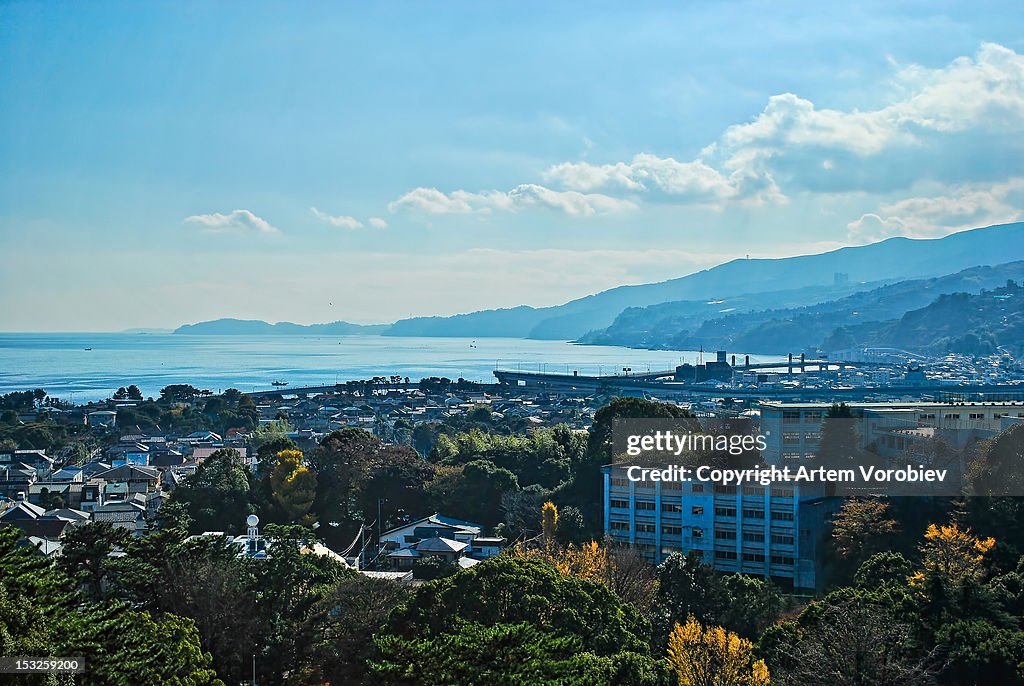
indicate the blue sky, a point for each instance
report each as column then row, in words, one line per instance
column 167, row 163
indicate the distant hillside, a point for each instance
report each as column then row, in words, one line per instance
column 255, row 327
column 688, row 325
column 889, row 260
column 967, row 323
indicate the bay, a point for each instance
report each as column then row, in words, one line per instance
column 90, row 366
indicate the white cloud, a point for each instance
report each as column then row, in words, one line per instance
column 377, row 223
column 433, row 201
column 985, row 92
column 936, row 125
column 341, row 221
column 961, row 207
column 234, row 221
column 794, row 143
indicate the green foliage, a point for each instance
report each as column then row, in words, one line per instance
column 217, row 495
column 42, row 614
column 542, row 456
column 181, row 393
column 739, row 603
column 433, row 567
column 515, row 589
column 883, row 569
column 508, row 655
column 348, row 615
column 85, row 554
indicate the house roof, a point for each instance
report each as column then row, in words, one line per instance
column 22, row 510
column 129, row 472
column 440, row 520
column 440, row 545
column 69, row 514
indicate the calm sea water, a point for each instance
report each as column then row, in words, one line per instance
column 82, row 367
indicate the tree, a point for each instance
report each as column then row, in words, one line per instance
column 713, row 656
column 849, row 638
column 883, row 569
column 180, row 393
column 507, row 655
column 515, row 589
column 342, row 643
column 687, row 588
column 293, row 485
column 85, row 555
column 134, row 393
column 954, row 553
column 839, row 447
column 217, row 495
column 549, row 523
column 861, row 528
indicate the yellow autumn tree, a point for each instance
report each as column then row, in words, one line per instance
column 549, row 523
column 712, row 656
column 954, row 552
column 293, row 485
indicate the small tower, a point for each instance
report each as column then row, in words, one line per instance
column 252, row 521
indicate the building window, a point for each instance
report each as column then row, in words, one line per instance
column 671, row 486
column 619, row 526
column 725, row 554
column 952, row 416
column 725, row 511
column 725, row 534
column 976, row 415
column 753, row 537
column 698, row 532
column 645, row 504
column 620, row 482
column 618, row 503
column 697, row 488
column 672, row 530
column 814, row 436
column 671, row 507
column 790, row 456
column 753, row 490
column 782, row 516
column 790, row 437
column 782, row 560
column 645, row 528
column 753, row 557
column 790, row 416
column 781, row 539
column 697, row 510
column 722, row 489
column 782, row 492
column 751, row 513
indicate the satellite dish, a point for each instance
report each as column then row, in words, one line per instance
column 252, row 520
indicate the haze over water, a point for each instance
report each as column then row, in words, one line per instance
column 61, row 364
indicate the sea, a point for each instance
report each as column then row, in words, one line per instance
column 81, row 367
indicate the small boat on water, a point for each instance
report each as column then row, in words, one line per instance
column 279, row 383
column 88, row 348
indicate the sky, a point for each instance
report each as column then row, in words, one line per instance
column 166, row 163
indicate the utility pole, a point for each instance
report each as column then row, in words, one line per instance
column 380, row 525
